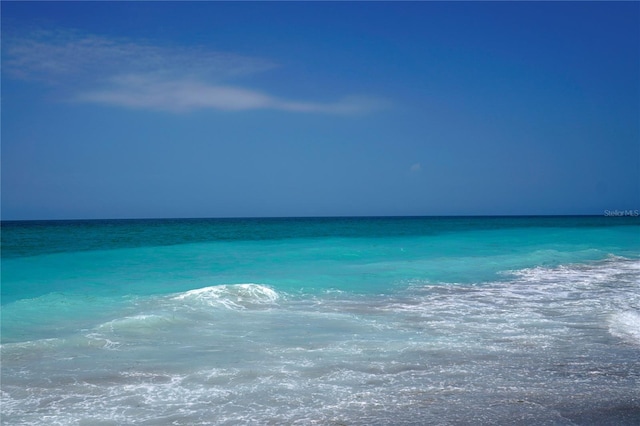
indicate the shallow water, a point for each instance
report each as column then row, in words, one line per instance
column 355, row 322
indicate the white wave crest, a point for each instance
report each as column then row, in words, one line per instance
column 610, row 269
column 137, row 323
column 231, row 296
column 626, row 325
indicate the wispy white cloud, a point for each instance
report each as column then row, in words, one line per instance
column 415, row 168
column 151, row 92
column 180, row 95
column 57, row 56
column 141, row 75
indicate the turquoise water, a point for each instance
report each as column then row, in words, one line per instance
column 528, row 320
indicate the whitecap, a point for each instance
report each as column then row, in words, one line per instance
column 231, row 296
column 135, row 323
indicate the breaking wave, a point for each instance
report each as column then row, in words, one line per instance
column 231, row 296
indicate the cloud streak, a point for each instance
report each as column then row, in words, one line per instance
column 57, row 56
column 175, row 95
column 140, row 75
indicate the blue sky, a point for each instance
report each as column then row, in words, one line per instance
column 214, row 109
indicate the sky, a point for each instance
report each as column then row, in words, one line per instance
column 220, row 109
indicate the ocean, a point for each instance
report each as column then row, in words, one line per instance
column 322, row 321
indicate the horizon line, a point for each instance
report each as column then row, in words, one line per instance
column 632, row 213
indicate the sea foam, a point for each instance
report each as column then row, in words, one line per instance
column 626, row 325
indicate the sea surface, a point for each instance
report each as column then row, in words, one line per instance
column 328, row 321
